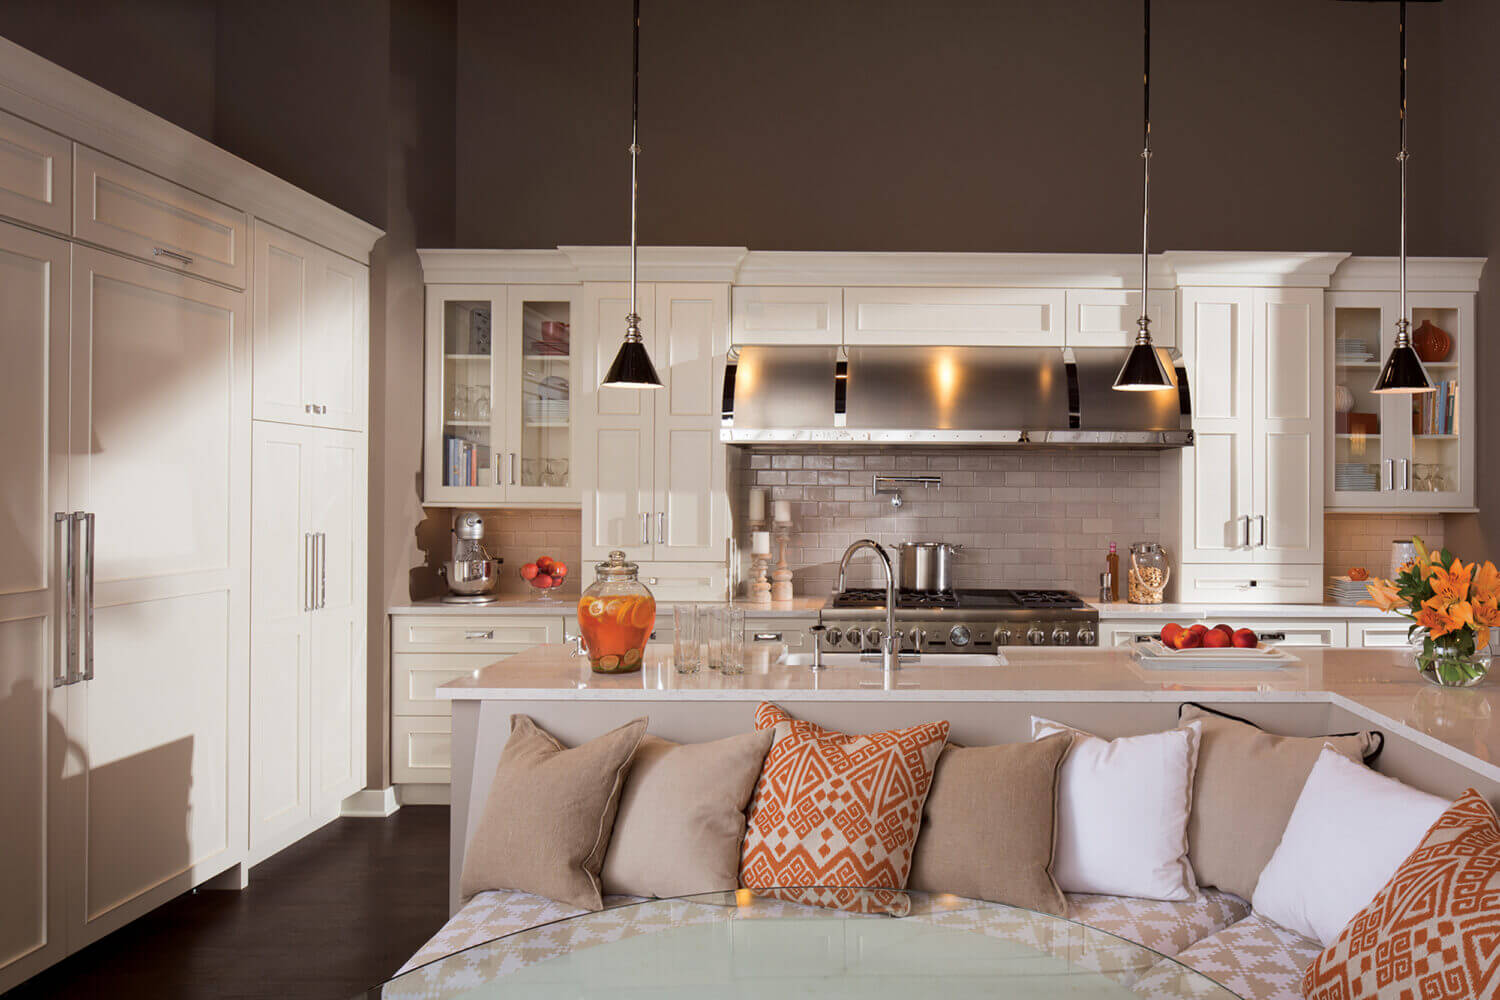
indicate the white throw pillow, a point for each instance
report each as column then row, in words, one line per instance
column 1122, row 812
column 1349, row 832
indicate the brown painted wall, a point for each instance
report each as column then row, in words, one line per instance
column 945, row 125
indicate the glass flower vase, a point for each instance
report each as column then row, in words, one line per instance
column 1451, row 660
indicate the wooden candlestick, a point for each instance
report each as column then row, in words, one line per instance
column 781, row 586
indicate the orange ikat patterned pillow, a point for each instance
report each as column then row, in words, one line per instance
column 1433, row 932
column 838, row 810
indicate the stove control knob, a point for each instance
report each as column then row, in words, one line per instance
column 959, row 635
column 1035, row 635
column 1087, row 637
column 918, row 638
column 873, row 637
column 1002, row 637
column 1061, row 636
column 834, row 636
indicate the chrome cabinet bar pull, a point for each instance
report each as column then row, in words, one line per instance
column 322, row 540
column 661, row 527
column 173, row 254
column 512, row 457
column 1271, row 636
column 768, row 637
column 1260, row 538
column 307, row 571
column 88, row 599
column 1243, row 521
column 486, row 634
column 1387, row 475
column 645, row 527
column 66, row 671
column 1405, row 474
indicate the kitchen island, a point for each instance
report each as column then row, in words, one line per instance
column 1436, row 739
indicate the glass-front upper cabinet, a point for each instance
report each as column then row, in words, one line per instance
column 499, row 425
column 1401, row 452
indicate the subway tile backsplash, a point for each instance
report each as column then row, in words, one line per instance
column 1025, row 518
column 1364, row 540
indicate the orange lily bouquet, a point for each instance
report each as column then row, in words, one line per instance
column 1453, row 602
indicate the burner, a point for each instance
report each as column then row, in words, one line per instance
column 1047, row 599
column 871, row 597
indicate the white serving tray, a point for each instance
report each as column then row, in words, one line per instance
column 1156, row 655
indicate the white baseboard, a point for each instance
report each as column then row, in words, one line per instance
column 371, row 803
column 425, row 795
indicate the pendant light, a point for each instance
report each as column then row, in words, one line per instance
column 632, row 368
column 1403, row 372
column 1143, row 370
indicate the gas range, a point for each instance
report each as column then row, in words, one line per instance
column 959, row 621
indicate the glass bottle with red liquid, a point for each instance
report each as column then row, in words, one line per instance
column 616, row 615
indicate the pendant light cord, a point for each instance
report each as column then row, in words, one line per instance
column 1403, row 325
column 1144, row 323
column 633, row 321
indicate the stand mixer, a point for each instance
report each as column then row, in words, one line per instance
column 472, row 573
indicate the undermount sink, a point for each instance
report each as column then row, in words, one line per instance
column 907, row 660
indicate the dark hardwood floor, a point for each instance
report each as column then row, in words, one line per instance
column 327, row 918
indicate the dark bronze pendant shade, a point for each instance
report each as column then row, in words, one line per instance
column 632, row 368
column 1143, row 370
column 1403, row 372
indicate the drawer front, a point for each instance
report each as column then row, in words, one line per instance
column 499, row 634
column 1299, row 632
column 1249, row 584
column 687, row 581
column 421, row 749
column 415, row 678
column 127, row 209
column 790, row 633
column 1382, row 635
column 36, row 175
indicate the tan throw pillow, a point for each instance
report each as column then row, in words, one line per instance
column 1247, row 784
column 547, row 822
column 682, row 816
column 989, row 825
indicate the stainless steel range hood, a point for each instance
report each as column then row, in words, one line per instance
column 946, row 395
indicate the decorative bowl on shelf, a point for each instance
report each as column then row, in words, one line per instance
column 1432, row 342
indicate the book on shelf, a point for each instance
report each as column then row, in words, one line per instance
column 1437, row 411
column 463, row 460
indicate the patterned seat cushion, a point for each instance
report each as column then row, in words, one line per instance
column 1254, row 958
column 1164, row 926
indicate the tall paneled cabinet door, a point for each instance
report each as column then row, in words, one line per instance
column 311, row 322
column 500, row 416
column 36, row 168
column 159, row 467
column 1400, row 452
column 1287, row 522
column 307, row 633
column 39, row 778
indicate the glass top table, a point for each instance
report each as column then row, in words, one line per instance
column 762, row 944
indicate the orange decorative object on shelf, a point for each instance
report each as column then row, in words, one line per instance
column 616, row 615
column 1432, row 342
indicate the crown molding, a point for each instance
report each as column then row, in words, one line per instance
column 54, row 98
column 1254, row 268
column 1423, row 274
column 657, row 263
column 990, row 270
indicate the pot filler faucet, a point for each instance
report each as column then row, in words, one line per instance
column 890, row 641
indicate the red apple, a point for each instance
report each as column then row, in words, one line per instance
column 544, row 564
column 1169, row 632
column 1228, row 630
column 1198, row 629
column 1246, row 639
column 529, row 571
column 543, row 581
column 1187, row 639
column 1216, row 639
column 559, row 570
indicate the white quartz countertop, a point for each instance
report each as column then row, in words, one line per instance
column 567, row 604
column 1380, row 685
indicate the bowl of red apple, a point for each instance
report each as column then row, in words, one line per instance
column 544, row 576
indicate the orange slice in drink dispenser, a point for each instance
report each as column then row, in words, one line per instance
column 645, row 613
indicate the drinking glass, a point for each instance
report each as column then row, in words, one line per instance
column 686, row 655
column 733, row 640
column 711, row 634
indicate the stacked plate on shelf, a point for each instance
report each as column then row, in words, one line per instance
column 1342, row 590
column 1351, row 350
column 1354, row 476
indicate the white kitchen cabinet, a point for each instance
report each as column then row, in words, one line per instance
column 979, row 317
column 311, row 350
column 797, row 315
column 653, row 466
column 1393, row 452
column 159, row 458
column 1108, row 317
column 34, row 722
column 1380, row 635
column 1251, row 486
column 501, row 416
column 124, row 208
column 36, row 175
column 307, row 660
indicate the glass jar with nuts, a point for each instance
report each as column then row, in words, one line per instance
column 1148, row 573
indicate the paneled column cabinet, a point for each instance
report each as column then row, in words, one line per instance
column 140, row 683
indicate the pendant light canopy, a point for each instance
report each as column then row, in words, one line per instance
column 1143, row 370
column 1403, row 371
column 632, row 367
